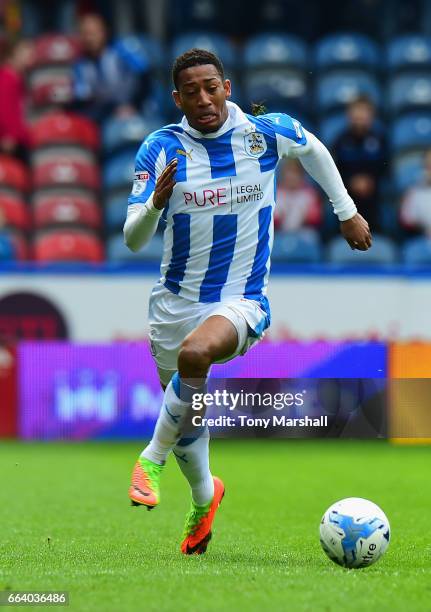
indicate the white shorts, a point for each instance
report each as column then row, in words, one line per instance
column 172, row 318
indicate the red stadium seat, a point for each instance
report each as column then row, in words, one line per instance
column 68, row 245
column 66, row 171
column 14, row 212
column 61, row 128
column 55, row 49
column 66, row 209
column 51, row 86
column 14, row 175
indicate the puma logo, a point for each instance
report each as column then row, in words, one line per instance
column 185, row 153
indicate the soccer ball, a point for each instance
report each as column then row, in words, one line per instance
column 354, row 532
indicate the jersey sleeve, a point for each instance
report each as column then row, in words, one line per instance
column 149, row 164
column 290, row 135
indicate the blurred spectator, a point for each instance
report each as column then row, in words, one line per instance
column 360, row 154
column 10, row 17
column 103, row 82
column 14, row 134
column 298, row 202
column 416, row 205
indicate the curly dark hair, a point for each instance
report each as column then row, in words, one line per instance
column 195, row 57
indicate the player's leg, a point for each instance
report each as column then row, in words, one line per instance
column 172, row 321
column 213, row 340
column 169, row 428
column 166, row 334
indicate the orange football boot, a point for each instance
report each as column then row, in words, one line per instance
column 145, row 489
column 197, row 530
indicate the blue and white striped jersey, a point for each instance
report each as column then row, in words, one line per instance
column 219, row 219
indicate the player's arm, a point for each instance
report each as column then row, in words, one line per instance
column 295, row 141
column 151, row 191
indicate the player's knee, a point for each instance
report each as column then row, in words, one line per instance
column 194, row 356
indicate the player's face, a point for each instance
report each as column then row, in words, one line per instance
column 202, row 97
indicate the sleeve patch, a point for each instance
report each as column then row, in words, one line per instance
column 140, row 182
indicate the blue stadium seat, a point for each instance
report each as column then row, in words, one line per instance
column 7, row 250
column 141, row 52
column 411, row 51
column 196, row 15
column 117, row 251
column 119, row 133
column 116, row 209
column 335, row 90
column 216, row 43
column 407, row 170
column 346, row 50
column 331, row 127
column 383, row 251
column 409, row 92
column 417, row 251
column 302, row 246
column 274, row 50
column 412, row 131
column 280, row 89
column 389, row 219
column 119, row 170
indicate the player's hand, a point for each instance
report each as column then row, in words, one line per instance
column 356, row 232
column 165, row 184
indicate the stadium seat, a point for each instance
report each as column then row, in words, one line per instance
column 383, row 251
column 7, row 249
column 68, row 245
column 216, row 43
column 407, row 170
column 408, row 52
column 51, row 86
column 151, row 252
column 337, row 89
column 140, row 52
column 61, row 128
column 302, row 246
column 14, row 175
column 20, row 245
column 273, row 49
column 55, row 49
column 118, row 171
column 66, row 209
column 14, row 212
column 331, row 127
column 389, row 219
column 417, row 251
column 280, row 89
column 413, row 131
column 125, row 132
column 116, row 209
column 346, row 50
column 408, row 92
column 65, row 171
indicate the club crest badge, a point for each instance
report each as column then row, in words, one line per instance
column 255, row 144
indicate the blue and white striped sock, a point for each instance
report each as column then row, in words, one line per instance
column 176, row 405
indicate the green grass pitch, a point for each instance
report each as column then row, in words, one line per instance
column 66, row 524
